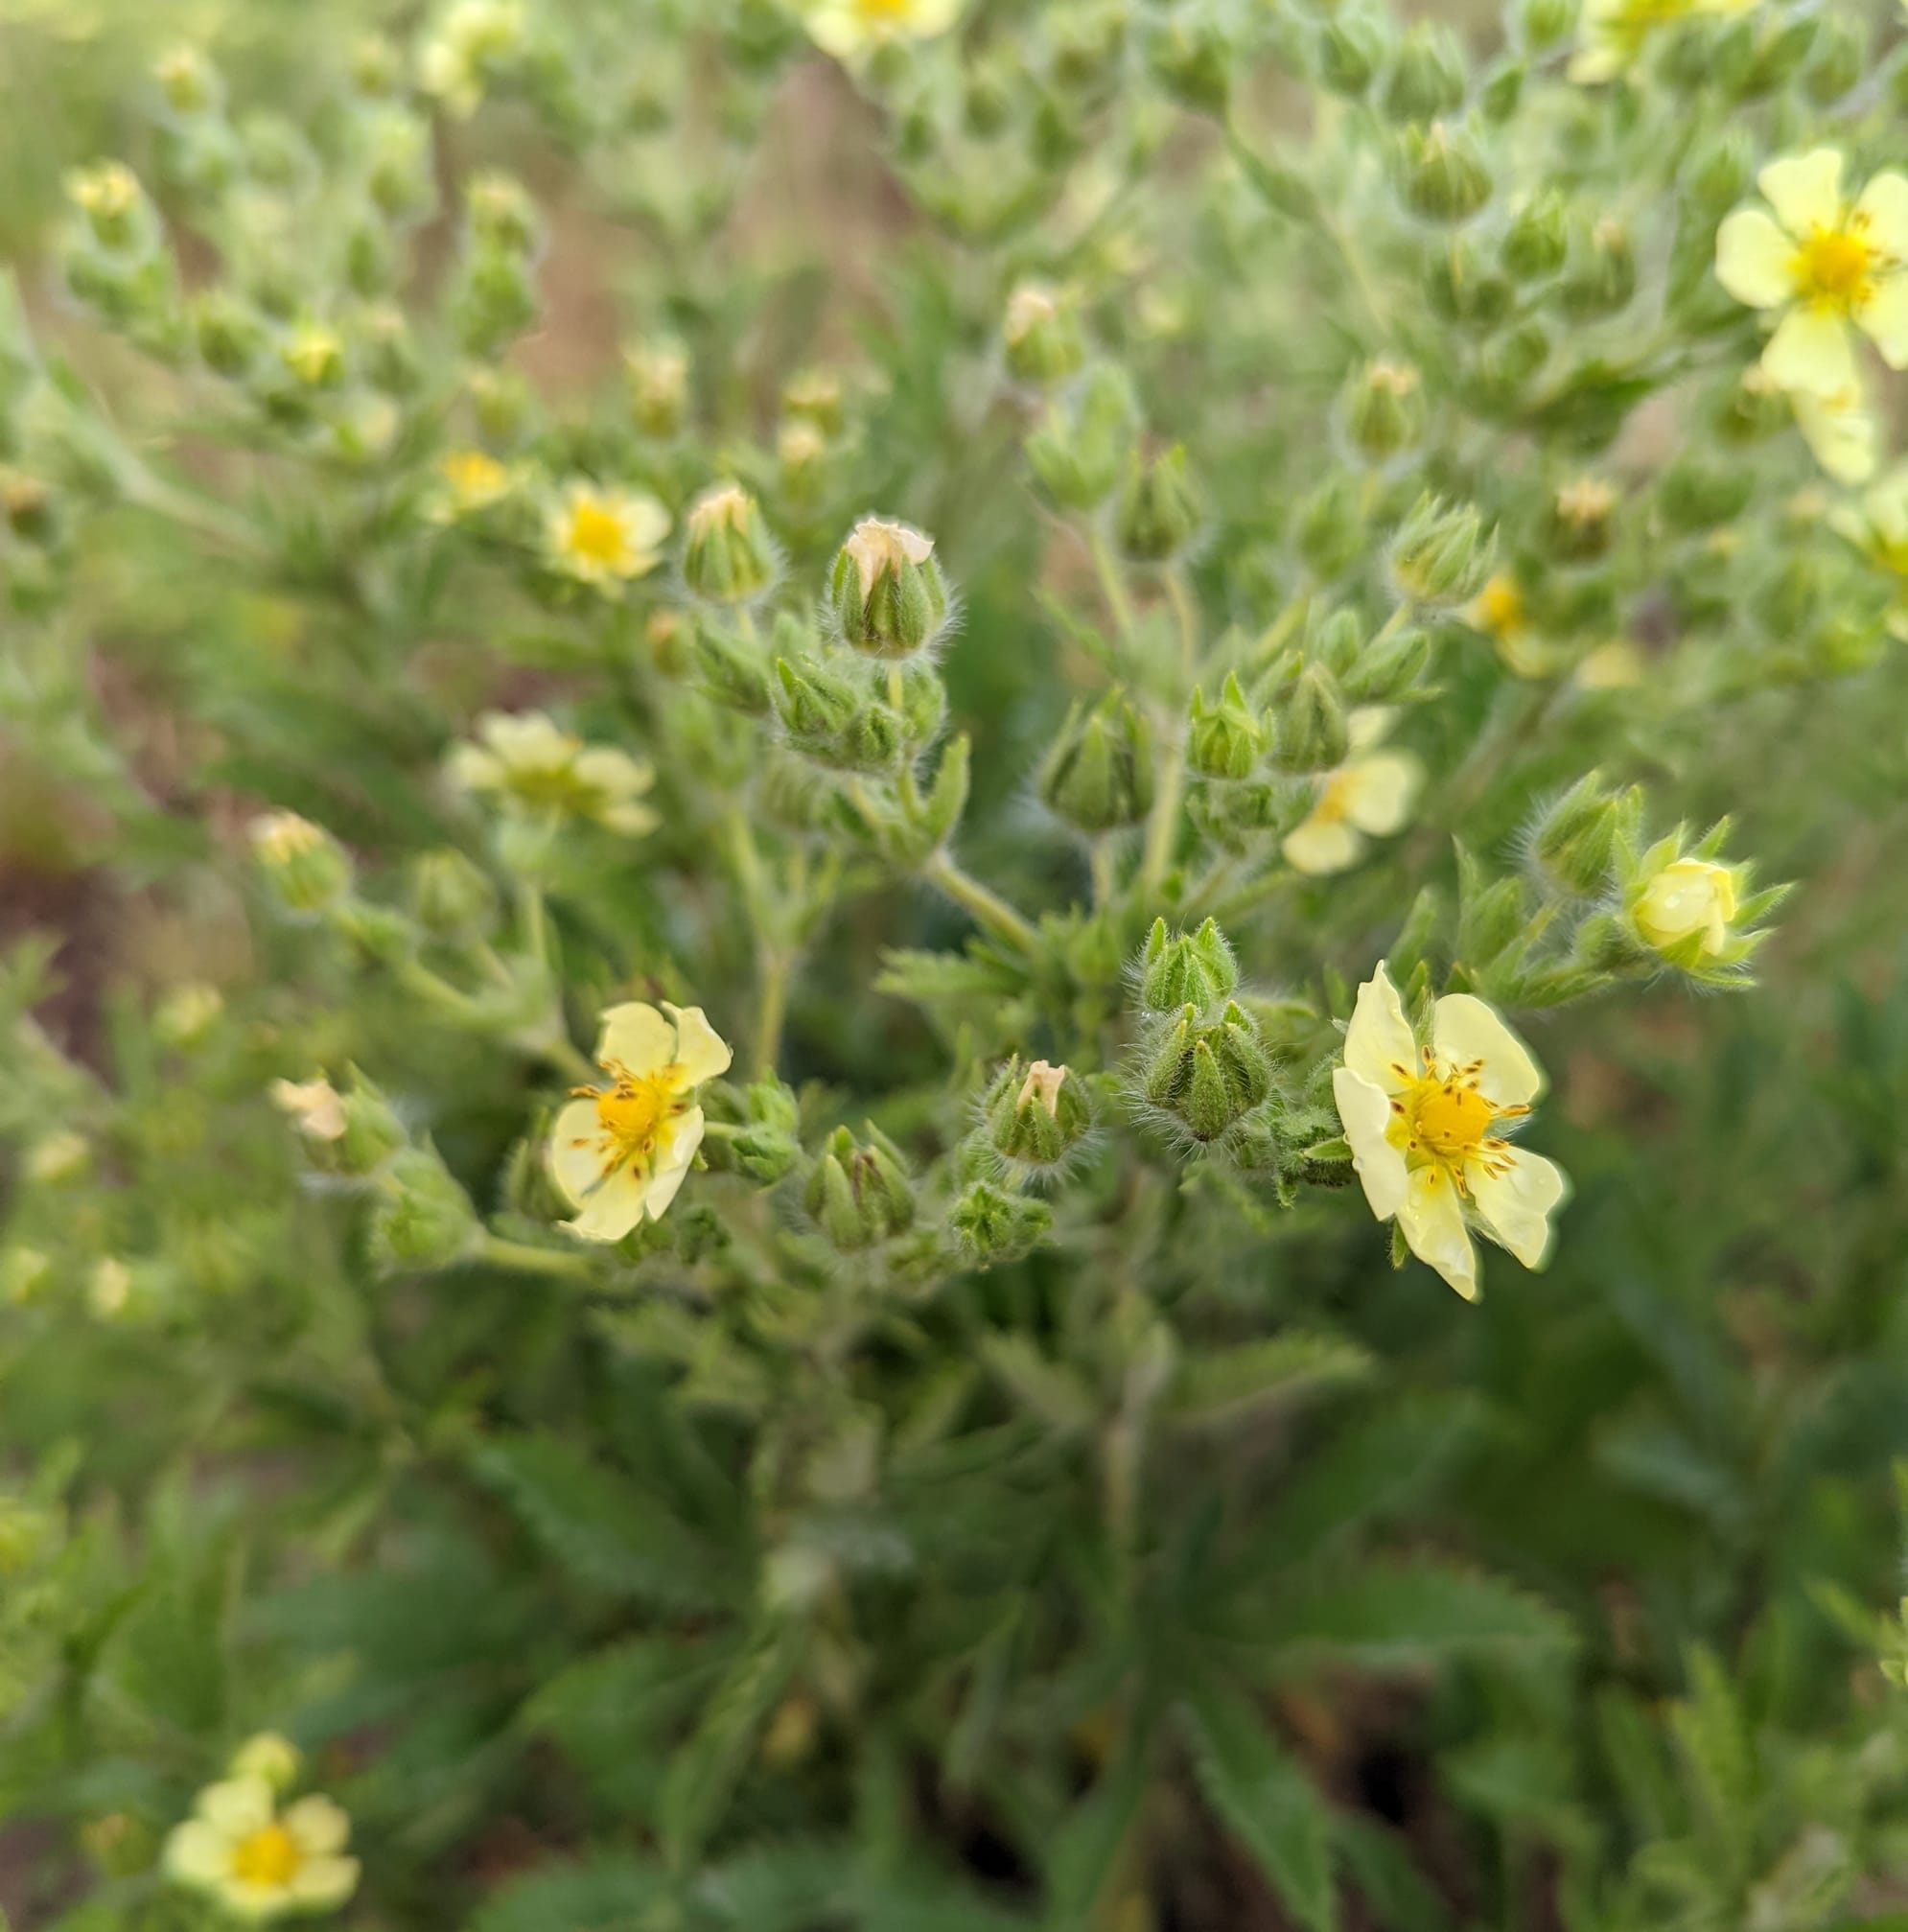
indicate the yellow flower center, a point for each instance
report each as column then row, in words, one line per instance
column 473, row 474
column 1834, row 264
column 885, row 9
column 269, row 1856
column 1442, row 1120
column 1450, row 1120
column 596, row 536
column 633, row 1110
column 1335, row 798
column 1501, row 606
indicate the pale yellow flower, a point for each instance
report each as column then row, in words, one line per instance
column 528, row 761
column 605, row 537
column 1609, row 667
column 1691, row 901
column 1841, row 430
column 878, row 546
column 1827, row 262
column 1369, row 796
column 1877, row 522
column 851, row 29
column 470, row 481
column 1044, row 1083
column 1611, row 34
column 312, row 1106
column 257, row 1861
column 1502, row 612
column 620, row 1151
column 109, row 190
column 1427, row 1124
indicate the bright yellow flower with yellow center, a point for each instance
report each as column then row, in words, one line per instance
column 1369, row 796
column 1428, row 1122
column 259, row 1862
column 851, row 29
column 1828, row 263
column 620, row 1152
column 605, row 537
column 1614, row 32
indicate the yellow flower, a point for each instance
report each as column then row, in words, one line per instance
column 314, row 354
column 1426, row 1122
column 109, row 191
column 1502, row 612
column 1826, row 262
column 1878, row 525
column 1612, row 32
column 312, row 1106
column 257, row 1861
column 1841, row 431
column 1611, row 667
column 474, row 38
column 470, row 482
column 1690, row 903
column 605, row 537
column 531, row 762
column 620, row 1151
column 1369, row 796
column 850, row 29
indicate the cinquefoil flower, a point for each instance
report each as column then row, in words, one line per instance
column 1614, row 32
column 604, row 537
column 1841, row 431
column 531, row 762
column 259, row 1862
column 1502, row 611
column 469, row 482
column 620, row 1151
column 851, row 29
column 1426, row 1122
column 1369, row 796
column 1827, row 262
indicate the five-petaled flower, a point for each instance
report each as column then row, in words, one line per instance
column 605, row 537
column 620, row 1151
column 259, row 1862
column 1826, row 262
column 1428, row 1121
column 538, row 768
column 1369, row 796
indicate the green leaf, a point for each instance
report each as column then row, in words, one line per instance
column 601, row 1894
column 1245, row 1383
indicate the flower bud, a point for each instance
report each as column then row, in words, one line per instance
column 1602, row 276
column 108, row 195
column 188, row 81
column 377, row 67
column 1098, row 775
column 496, row 298
column 657, row 375
column 1544, row 24
column 1575, row 840
column 1078, row 451
column 815, row 703
column 1578, row 524
column 1427, row 77
column 271, row 1757
column 187, row 1013
column 1038, row 1114
column 1193, row 971
column 1460, row 287
column 1697, row 493
column 1841, row 59
column 352, row 1133
column 450, row 897
column 423, row 1219
column 1193, row 62
column 1443, row 177
column 1385, row 409
column 313, row 356
column 303, row 865
column 1719, row 168
column 1159, row 512
column 502, row 213
column 1312, row 731
column 858, row 1194
column 1207, row 1077
column 886, row 590
column 991, row 1225
column 815, row 395
column 1224, row 740
column 1041, row 334
column 1351, row 47
column 1685, row 910
column 1536, row 240
column 729, row 557
column 732, row 664
column 1442, row 554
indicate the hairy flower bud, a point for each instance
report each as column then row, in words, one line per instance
column 1574, row 841
column 1536, row 240
column 1035, row 1115
column 423, row 1219
column 305, row 866
column 989, row 1225
column 1208, row 1077
column 1226, row 740
column 1602, row 275
column 109, row 197
column 1041, row 335
column 1194, row 61
column 728, row 556
column 657, row 377
column 858, row 1192
column 1186, row 971
column 450, row 896
column 1351, row 48
column 886, row 590
column 188, row 81
column 1442, row 174
column 1078, row 451
column 1098, row 775
column 1578, row 524
column 1312, row 731
column 1442, row 554
column 1385, row 409
column 1159, row 511
column 1426, row 80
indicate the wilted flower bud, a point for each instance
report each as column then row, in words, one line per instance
column 1578, row 527
column 989, row 1225
column 423, row 1219
column 1041, row 335
column 353, row 1133
column 1536, row 240
column 658, row 379
column 1208, row 1077
column 1575, row 840
column 305, row 866
column 730, row 557
column 1159, row 512
column 1351, row 46
column 1192, row 971
column 1427, row 77
column 858, row 1192
column 450, row 896
column 1312, row 731
column 1035, row 1115
column 1443, row 175
column 1078, row 451
column 1602, row 276
column 1442, row 554
column 886, row 590
column 1098, row 775
column 1226, row 740
column 1385, row 409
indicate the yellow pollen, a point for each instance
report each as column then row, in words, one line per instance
column 885, row 9
column 269, row 1856
column 1833, row 264
column 1335, row 798
column 633, row 1109
column 596, row 535
column 1449, row 1119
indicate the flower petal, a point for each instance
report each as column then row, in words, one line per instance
column 1379, row 791
column 197, row 1853
column 1804, row 190
column 1319, row 845
column 1369, row 724
column 674, row 1163
column 1841, row 433
column 1465, row 1030
column 1883, row 318
column 1810, row 353
column 1755, row 260
column 1379, row 1046
column 576, row 1151
column 1365, row 1111
column 636, row 1038
column 1516, row 1193
column 321, row 1883
column 1432, row 1218
column 1883, row 206
column 237, row 1805
column 317, row 1825
column 700, row 1052
column 614, row 1207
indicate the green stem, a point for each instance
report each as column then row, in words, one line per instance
column 1162, row 826
column 1099, row 857
column 987, row 908
column 1113, row 581
column 521, row 1258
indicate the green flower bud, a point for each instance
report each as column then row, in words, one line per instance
column 188, row 81
column 188, row 1013
column 422, row 1220
column 1575, row 840
column 1312, row 732
column 1385, row 409
column 1505, row 365
column 1193, row 62
column 502, row 213
column 1038, row 1114
column 27, row 508
column 450, row 896
column 1159, row 512
column 1697, row 493
column 1841, row 59
column 1351, row 47
column 1536, row 240
column 1719, row 168
column 1387, row 667
column 1545, row 24
column 886, row 590
column 1459, row 287
column 377, row 67
column 496, row 298
column 1186, row 971
column 1579, row 522
column 1602, row 275
column 858, row 1192
column 818, row 706
column 1427, row 78
column 1207, row 1077
column 1443, row 177
column 656, row 377
column 302, row 863
column 1078, row 451
column 1224, row 740
column 732, row 664
column 1042, row 336
column 728, row 556
column 990, row 1225
column 1098, row 775
column 114, row 204
column 1332, row 535
column 1443, row 553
